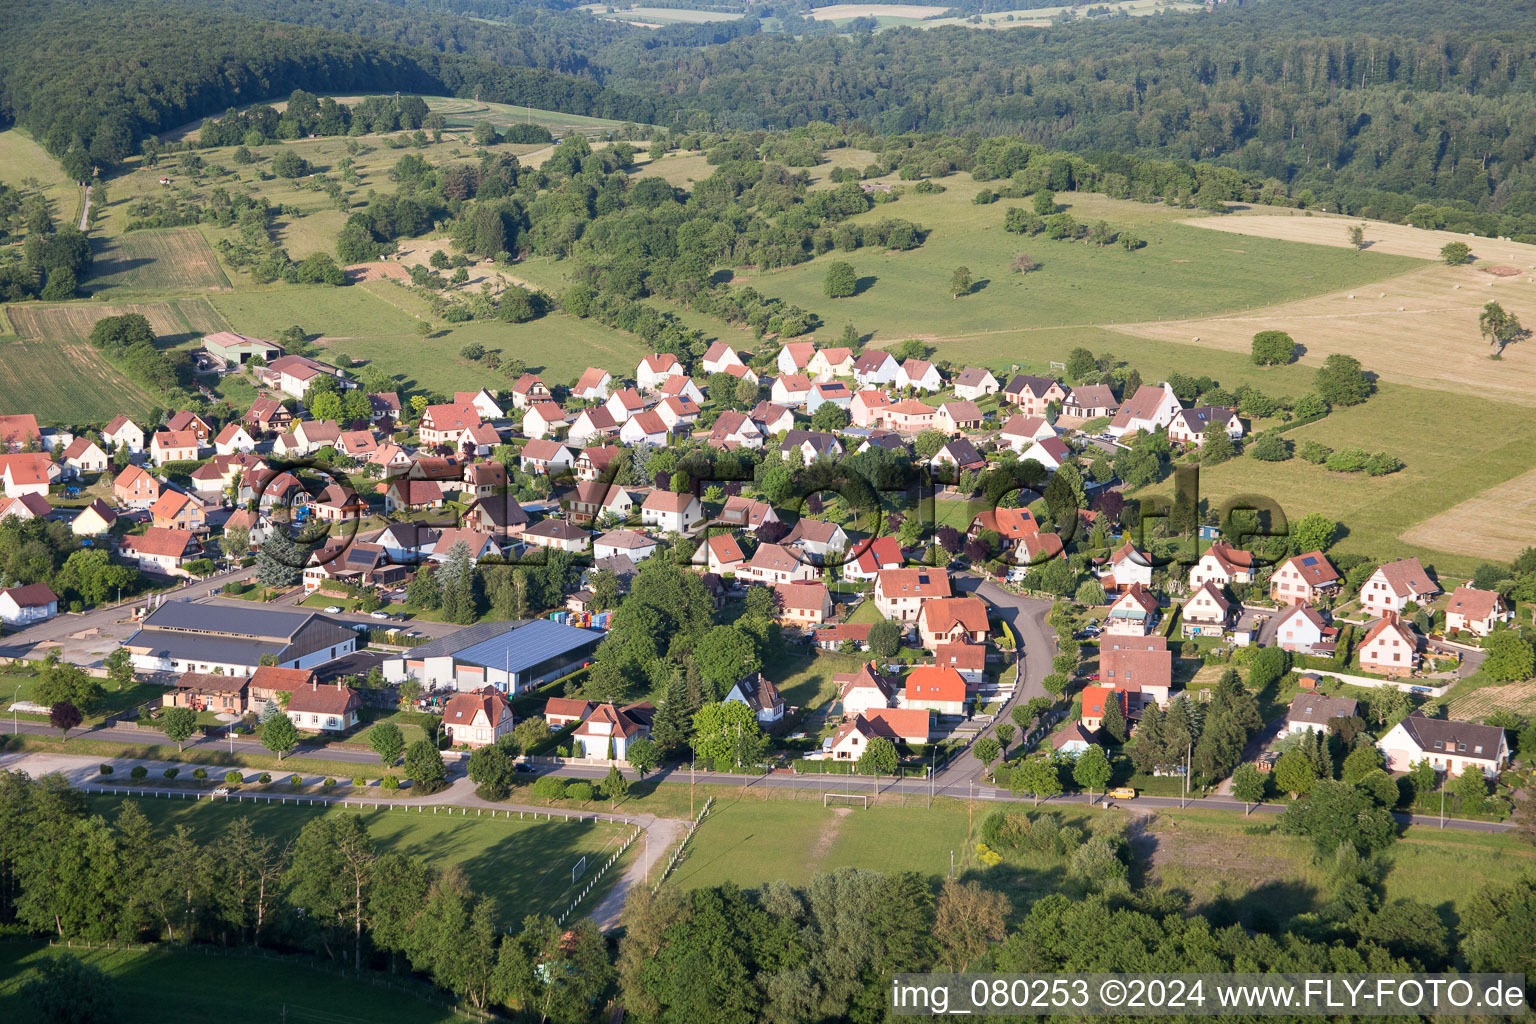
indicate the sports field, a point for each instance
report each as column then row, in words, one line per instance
column 165, row 985
column 175, row 259
column 524, row 865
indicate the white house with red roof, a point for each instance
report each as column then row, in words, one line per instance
column 678, row 412
column 860, row 691
column 875, row 368
column 173, row 446
column 733, row 429
column 920, row 375
column 529, row 390
column 1302, row 629
column 935, row 688
column 594, row 385
column 445, row 424
column 94, row 520
column 233, row 438
column 123, row 431
column 868, row 408
column 17, row 430
column 159, row 550
column 901, row 593
column 747, row 513
column 899, row 725
column 679, row 386
column 656, row 368
column 1208, row 612
column 1021, row 432
column 1050, row 452
column 609, row 730
column 772, row 419
column 1390, row 647
column 22, row 606
column 1127, row 567
column 1151, row 408
column 293, row 375
column 482, row 401
column 624, row 403
column 831, row 362
column 477, row 718
column 1395, row 584
column 644, row 428
column 974, row 383
column 791, row 390
column 720, row 357
column 671, row 512
column 28, row 473
column 545, row 419
column 773, row 564
column 1223, row 565
column 869, row 557
column 970, row 660
column 721, row 554
column 85, row 456
column 795, row 356
column 1141, row 666
column 546, row 458
column 1133, row 613
column 1469, row 610
column 1307, row 577
column 324, row 708
column 949, row 620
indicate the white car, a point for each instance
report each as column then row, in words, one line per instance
column 221, row 791
column 378, row 615
column 332, row 609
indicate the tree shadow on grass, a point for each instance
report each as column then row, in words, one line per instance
column 863, row 285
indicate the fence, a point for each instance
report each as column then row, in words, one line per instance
column 610, row 862
column 360, row 804
column 677, row 854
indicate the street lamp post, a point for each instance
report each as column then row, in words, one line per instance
column 15, row 727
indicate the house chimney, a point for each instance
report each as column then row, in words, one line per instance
column 338, row 684
column 314, row 684
column 1391, row 616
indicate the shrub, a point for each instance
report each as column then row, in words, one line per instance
column 139, row 772
column 359, row 781
column 390, row 783
column 295, row 780
column 581, row 792
column 264, row 778
column 199, row 774
column 328, row 783
column 233, row 778
column 171, row 773
column 105, row 769
column 549, row 787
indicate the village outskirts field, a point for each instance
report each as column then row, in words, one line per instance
column 1188, row 301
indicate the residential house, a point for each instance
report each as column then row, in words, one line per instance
column 935, row 688
column 175, row 510
column 866, row 689
column 351, row 565
column 445, row 424
column 310, row 436
column 383, row 405
column 543, row 457
column 1390, row 647
column 560, row 712
column 954, row 417
column 22, row 606
column 721, row 554
column 678, row 412
column 747, row 513
column 28, row 473
column 644, row 428
column 1033, row 395
column 594, row 499
column 1012, row 524
column 970, row 660
column 85, row 456
column 257, row 526
column 1090, row 402
column 1308, row 577
column 593, row 386
column 25, row 507
column 1142, row 666
column 134, row 487
column 544, row 420
column 974, row 383
column 593, row 462
column 809, row 445
column 1311, row 712
column 1037, row 548
column 293, row 375
column 1223, row 565
column 1128, row 567
column 167, row 446
column 828, row 363
column 791, row 390
column 608, row 730
column 17, row 430
column 1021, row 432
column 324, row 708
column 795, row 356
column 1395, row 584
column 1073, row 739
column 820, row 540
column 901, row 593
column 759, row 694
column 773, row 564
column 1469, row 610
column 1189, row 425
column 632, row 544
column 1050, row 452
column 744, row 373
column 184, row 420
column 357, row 444
column 899, row 725
column 94, row 520
column 1302, row 629
column 477, row 719
column 871, row 556
column 123, row 431
column 868, row 408
column 1208, row 612
column 482, row 402
column 654, row 369
column 406, row 495
column 594, row 424
column 679, row 386
column 829, row 393
column 803, row 603
column 720, row 357
column 268, row 416
column 1134, row 612
column 529, row 390
column 920, row 375
column 339, row 504
column 1151, row 408
column 949, row 620
column 407, row 543
column 160, row 550
column 909, row 415
column 1449, row 746
column 960, row 454
column 271, row 489
column 498, row 514
column 557, row 534
column 875, row 368
column 218, row 475
column 734, row 430
column 229, row 350
column 479, row 440
column 623, row 404
column 234, row 438
column 1096, row 698
column 772, row 419
column 205, row 691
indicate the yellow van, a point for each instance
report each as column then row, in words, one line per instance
column 1122, row 793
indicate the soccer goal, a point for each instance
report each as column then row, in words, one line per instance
column 577, row 868
column 862, row 798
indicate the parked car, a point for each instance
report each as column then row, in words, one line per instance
column 1122, row 793
column 524, row 768
column 378, row 615
column 332, row 609
column 221, row 791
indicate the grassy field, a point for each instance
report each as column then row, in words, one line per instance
column 805, row 681
column 659, row 16
column 524, row 865
column 1181, row 273
column 177, row 259
column 156, row 986
column 1273, row 876
column 22, row 159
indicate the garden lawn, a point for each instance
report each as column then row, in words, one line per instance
column 805, row 680
column 525, row 865
column 164, row 985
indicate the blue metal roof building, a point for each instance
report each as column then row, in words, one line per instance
column 511, row 656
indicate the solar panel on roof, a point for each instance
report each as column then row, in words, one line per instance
column 1309, row 560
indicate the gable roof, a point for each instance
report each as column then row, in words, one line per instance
column 1143, row 405
column 157, row 540
column 31, row 595
column 930, row 583
column 800, row 352
column 1314, row 567
column 942, row 614
column 1037, row 386
column 962, row 451
column 872, row 361
column 315, row 699
column 973, row 376
column 1407, row 578
column 774, row 558
column 961, row 412
column 1304, row 610
column 1481, row 742
column 758, row 692
column 725, row 548
column 1317, row 708
column 18, row 428
column 462, row 708
column 1093, row 396
column 935, row 682
column 1472, row 603
column 542, row 449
